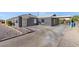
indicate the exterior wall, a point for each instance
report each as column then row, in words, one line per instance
column 14, row 20
column 28, row 21
column 61, row 20
column 47, row 21
column 54, row 21
column 24, row 21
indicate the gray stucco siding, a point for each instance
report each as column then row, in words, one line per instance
column 54, row 21
column 24, row 22
column 47, row 20
column 30, row 22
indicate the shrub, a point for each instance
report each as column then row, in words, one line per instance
column 9, row 23
column 75, row 18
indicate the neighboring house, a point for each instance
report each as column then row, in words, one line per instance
column 2, row 21
column 31, row 20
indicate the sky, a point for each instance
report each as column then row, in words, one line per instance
column 7, row 15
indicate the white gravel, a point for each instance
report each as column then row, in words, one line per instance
column 6, row 32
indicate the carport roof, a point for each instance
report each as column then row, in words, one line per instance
column 62, row 16
column 54, row 16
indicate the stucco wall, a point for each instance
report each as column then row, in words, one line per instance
column 15, row 21
column 54, row 21
column 47, row 21
column 24, row 22
column 30, row 22
column 27, row 21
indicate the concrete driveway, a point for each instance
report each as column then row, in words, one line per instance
column 44, row 36
column 70, row 38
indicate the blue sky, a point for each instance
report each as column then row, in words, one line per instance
column 6, row 15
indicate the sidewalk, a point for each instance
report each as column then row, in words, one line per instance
column 70, row 38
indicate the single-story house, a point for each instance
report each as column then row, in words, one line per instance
column 52, row 20
column 48, row 21
column 24, row 20
column 31, row 20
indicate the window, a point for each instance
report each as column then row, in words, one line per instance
column 42, row 20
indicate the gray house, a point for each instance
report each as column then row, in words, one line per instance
column 24, row 20
column 31, row 20
column 52, row 20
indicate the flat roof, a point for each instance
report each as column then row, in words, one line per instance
column 62, row 16
column 54, row 16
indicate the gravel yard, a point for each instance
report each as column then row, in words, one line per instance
column 8, row 32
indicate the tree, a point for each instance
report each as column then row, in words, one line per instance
column 75, row 18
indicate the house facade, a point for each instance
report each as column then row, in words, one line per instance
column 53, row 20
column 24, row 20
column 31, row 20
column 50, row 21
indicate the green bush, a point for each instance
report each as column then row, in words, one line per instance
column 9, row 23
column 75, row 18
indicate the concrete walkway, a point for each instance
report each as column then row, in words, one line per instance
column 70, row 38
